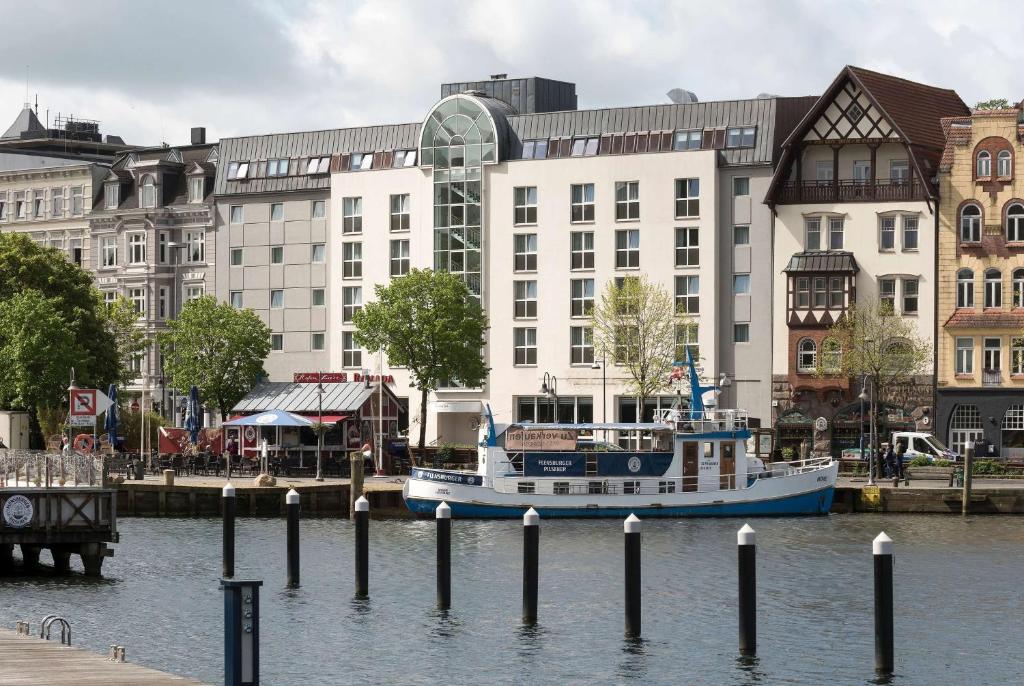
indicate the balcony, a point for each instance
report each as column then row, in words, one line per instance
column 848, row 190
column 991, row 377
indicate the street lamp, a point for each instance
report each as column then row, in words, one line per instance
column 549, row 387
column 863, row 396
column 604, row 386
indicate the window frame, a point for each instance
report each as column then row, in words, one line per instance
column 524, row 256
column 627, row 201
column 687, row 206
column 581, row 345
column 582, row 297
column 687, row 294
column 812, row 225
column 806, row 356
column 1014, row 222
column 352, row 215
column 524, row 346
column 524, row 206
column 352, row 259
column 983, row 164
column 584, row 254
column 906, row 293
column 398, row 265
column 627, row 250
column 399, row 212
column 524, row 299
column 963, row 360
column 972, row 222
column 582, row 210
column 1004, row 156
column 687, row 247
column 965, row 288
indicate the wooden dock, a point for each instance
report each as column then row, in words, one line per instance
column 31, row 660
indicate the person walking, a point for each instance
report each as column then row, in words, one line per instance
column 901, row 454
column 890, row 461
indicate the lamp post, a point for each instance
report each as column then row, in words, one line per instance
column 549, row 387
column 320, row 423
column 871, row 450
column 604, row 386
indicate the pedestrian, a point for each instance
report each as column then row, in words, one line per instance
column 890, row 461
column 901, row 455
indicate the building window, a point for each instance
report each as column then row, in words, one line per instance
column 687, row 198
column 400, row 210
column 803, row 292
column 581, row 345
column 236, row 214
column 965, row 288
column 687, row 294
column 742, row 137
column 195, row 246
column 1018, row 287
column 836, row 297
column 581, row 250
column 807, row 356
column 627, row 200
column 823, row 170
column 138, row 298
column 568, row 409
column 584, row 147
column 582, row 297
column 137, row 248
column 835, row 233
column 740, row 186
column 277, row 254
column 352, row 302
column 77, row 201
column 236, row 257
column 194, row 292
column 196, row 189
column 887, row 233
column 112, row 200
column 984, row 164
column 965, row 355
column 277, row 342
column 276, row 211
column 1004, row 162
column 899, row 171
column 404, row 158
column 524, row 299
column 910, row 296
column 686, row 339
column 161, row 302
column 687, row 248
column 37, row 204
column 524, row 256
column 819, row 292
column 741, row 284
column 3, row 206
column 581, row 208
column 1015, row 222
column 277, row 167
column 316, row 341
column 351, row 355
column 148, row 191
column 56, row 203
column 627, row 249
column 322, row 165
column 1017, row 356
column 161, row 247
column 831, row 355
column 524, row 346
column 236, row 299
column 318, row 253
column 276, row 299
column 535, row 149
column 970, row 224
column 687, row 140
column 992, row 355
column 319, row 209
column 812, row 233
column 19, row 205
column 741, row 235
column 993, row 288
column 741, row 333
column 108, row 251
column 887, row 294
column 352, row 260
column 351, row 215
column 909, row 232
column 318, row 297
column 399, row 257
column 525, row 205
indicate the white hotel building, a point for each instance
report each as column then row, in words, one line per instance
column 538, row 205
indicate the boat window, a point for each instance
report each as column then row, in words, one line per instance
column 663, row 441
column 561, row 488
column 709, row 450
column 595, row 487
column 666, row 487
column 631, row 487
column 527, row 487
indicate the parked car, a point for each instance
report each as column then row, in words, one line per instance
column 921, row 444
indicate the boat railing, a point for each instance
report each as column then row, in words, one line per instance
column 687, row 421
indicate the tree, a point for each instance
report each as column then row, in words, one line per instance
column 429, row 323
column 872, row 343
column 635, row 325
column 217, row 348
column 122, row 322
column 993, row 104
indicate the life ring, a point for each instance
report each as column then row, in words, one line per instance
column 84, row 443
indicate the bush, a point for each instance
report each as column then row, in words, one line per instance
column 990, row 467
column 920, row 461
column 942, row 463
column 788, row 454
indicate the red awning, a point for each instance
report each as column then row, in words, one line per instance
column 327, row 418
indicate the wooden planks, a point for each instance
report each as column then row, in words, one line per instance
column 30, row 660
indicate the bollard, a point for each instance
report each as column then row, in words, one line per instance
column 631, row 527
column 746, row 546
column 228, row 555
column 292, row 502
column 531, row 556
column 241, row 632
column 882, row 549
column 362, row 518
column 443, row 514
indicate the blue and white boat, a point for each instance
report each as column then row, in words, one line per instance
column 690, row 462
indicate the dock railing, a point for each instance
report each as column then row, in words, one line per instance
column 44, row 469
column 685, row 421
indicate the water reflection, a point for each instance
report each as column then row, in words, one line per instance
column 633, row 664
column 749, row 668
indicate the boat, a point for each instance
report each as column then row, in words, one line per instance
column 689, row 462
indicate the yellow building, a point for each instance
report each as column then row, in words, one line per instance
column 980, row 304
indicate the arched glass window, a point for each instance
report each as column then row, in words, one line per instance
column 970, row 224
column 1015, row 222
column 993, row 288
column 831, row 355
column 965, row 425
column 984, row 163
column 1004, row 163
column 1018, row 287
column 148, row 191
column 807, row 356
column 1013, row 433
column 965, row 288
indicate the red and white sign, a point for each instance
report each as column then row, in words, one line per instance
column 338, row 377
column 83, row 402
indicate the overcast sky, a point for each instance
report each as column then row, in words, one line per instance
column 149, row 71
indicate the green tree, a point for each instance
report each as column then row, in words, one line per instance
column 635, row 326
column 993, row 104
column 217, row 348
column 122, row 322
column 429, row 323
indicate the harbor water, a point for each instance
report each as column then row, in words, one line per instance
column 957, row 589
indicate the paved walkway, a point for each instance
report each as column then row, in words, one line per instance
column 977, row 483
column 370, row 483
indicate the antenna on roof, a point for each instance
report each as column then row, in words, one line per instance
column 37, row 104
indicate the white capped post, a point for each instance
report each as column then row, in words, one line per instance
column 531, row 518
column 292, row 498
column 228, row 491
column 443, row 511
column 362, row 504
column 632, row 524
column 746, row 536
column 882, row 545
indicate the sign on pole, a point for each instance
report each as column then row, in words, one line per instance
column 83, row 402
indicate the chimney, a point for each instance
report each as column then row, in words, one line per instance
column 198, row 135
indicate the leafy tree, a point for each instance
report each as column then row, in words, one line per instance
column 130, row 427
column 635, row 326
column 216, row 348
column 429, row 323
column 122, row 322
column 873, row 344
column 993, row 104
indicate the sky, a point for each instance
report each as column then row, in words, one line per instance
column 150, row 71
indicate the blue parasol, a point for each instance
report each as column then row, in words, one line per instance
column 193, row 420
column 110, row 423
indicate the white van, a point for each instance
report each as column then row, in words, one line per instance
column 921, row 444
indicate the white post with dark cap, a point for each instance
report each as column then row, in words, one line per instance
column 228, row 557
column 881, row 547
column 443, row 514
column 746, row 546
column 531, row 555
column 631, row 528
column 292, row 503
column 362, row 522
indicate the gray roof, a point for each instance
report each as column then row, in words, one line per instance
column 302, row 397
column 12, row 161
column 822, row 261
column 27, row 122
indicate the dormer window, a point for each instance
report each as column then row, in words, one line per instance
column 984, row 164
column 196, row 189
column 1004, row 163
column 148, row 191
column 322, row 165
column 237, row 170
column 112, row 195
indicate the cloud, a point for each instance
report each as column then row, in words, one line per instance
column 150, row 71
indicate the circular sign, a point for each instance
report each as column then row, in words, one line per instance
column 266, row 419
column 18, row 511
column 634, row 464
column 820, row 424
column 250, row 433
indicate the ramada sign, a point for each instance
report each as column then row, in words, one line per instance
column 338, row 377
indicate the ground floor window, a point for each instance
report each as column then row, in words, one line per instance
column 565, row 409
column 1013, row 433
column 965, row 427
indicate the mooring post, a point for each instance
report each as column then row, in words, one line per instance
column 443, row 514
column 241, row 632
column 882, row 549
column 746, row 546
column 292, row 503
column 965, row 498
column 228, row 556
column 362, row 520
column 531, row 558
column 631, row 527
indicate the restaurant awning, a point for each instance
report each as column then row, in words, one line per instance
column 271, row 418
column 327, row 418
